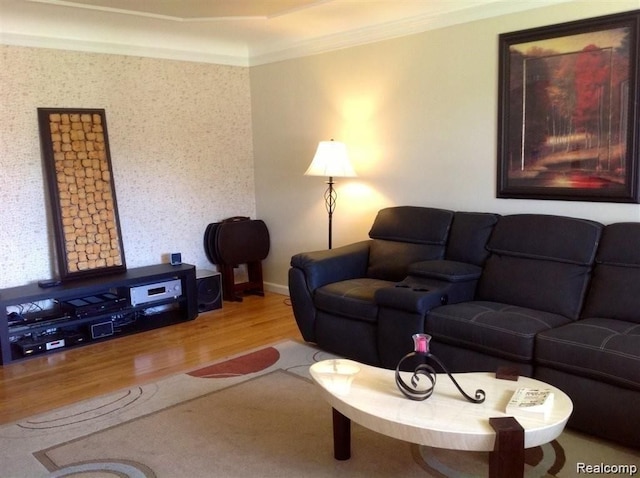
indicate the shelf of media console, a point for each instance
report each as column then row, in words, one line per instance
column 68, row 321
column 146, row 316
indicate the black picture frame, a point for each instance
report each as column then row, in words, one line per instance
column 568, row 126
column 77, row 162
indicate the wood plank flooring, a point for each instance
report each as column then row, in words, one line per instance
column 51, row 381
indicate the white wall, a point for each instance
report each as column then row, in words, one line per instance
column 419, row 115
column 181, row 150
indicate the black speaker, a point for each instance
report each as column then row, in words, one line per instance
column 209, row 290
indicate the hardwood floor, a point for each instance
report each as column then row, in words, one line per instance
column 50, row 381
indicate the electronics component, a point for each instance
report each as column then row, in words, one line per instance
column 17, row 321
column 95, row 304
column 144, row 294
column 209, row 285
column 159, row 309
column 55, row 344
column 29, row 345
column 101, row 329
column 73, row 338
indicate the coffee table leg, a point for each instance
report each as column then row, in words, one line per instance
column 507, row 458
column 341, row 436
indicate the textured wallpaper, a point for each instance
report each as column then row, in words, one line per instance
column 181, row 151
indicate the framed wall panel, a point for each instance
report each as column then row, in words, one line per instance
column 77, row 161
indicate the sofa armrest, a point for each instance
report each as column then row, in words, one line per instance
column 324, row 267
column 310, row 270
column 444, row 270
column 417, row 300
column 458, row 280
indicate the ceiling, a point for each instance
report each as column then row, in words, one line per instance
column 239, row 32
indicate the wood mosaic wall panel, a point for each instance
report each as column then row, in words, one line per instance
column 75, row 151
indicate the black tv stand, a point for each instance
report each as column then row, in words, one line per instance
column 41, row 320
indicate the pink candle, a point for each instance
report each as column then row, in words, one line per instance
column 421, row 343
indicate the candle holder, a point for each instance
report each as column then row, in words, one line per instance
column 421, row 349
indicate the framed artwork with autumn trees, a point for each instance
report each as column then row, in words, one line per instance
column 568, row 126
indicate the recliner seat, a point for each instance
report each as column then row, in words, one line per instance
column 534, row 279
column 337, row 307
column 596, row 357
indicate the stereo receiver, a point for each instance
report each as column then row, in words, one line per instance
column 144, row 294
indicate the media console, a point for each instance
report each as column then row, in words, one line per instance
column 45, row 320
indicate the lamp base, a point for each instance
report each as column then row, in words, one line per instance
column 330, row 197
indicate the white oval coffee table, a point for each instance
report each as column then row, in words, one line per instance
column 447, row 420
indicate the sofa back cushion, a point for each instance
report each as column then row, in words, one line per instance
column 614, row 292
column 540, row 262
column 468, row 237
column 403, row 235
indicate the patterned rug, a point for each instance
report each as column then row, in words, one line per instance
column 257, row 414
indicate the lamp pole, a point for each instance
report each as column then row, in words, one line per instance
column 330, row 197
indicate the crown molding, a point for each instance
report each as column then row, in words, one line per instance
column 391, row 30
column 36, row 41
column 206, row 51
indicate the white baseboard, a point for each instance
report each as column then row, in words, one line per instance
column 276, row 288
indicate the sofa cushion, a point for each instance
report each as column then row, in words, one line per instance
column 418, row 225
column 406, row 234
column 496, row 329
column 352, row 298
column 540, row 262
column 390, row 260
column 554, row 238
column 614, row 293
column 616, row 245
column 543, row 285
column 614, row 290
column 468, row 237
column 602, row 349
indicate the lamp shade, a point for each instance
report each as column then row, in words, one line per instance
column 331, row 160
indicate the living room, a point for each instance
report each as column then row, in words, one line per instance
column 193, row 142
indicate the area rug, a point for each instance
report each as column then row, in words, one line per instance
column 257, row 414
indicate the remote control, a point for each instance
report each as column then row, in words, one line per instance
column 49, row 283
